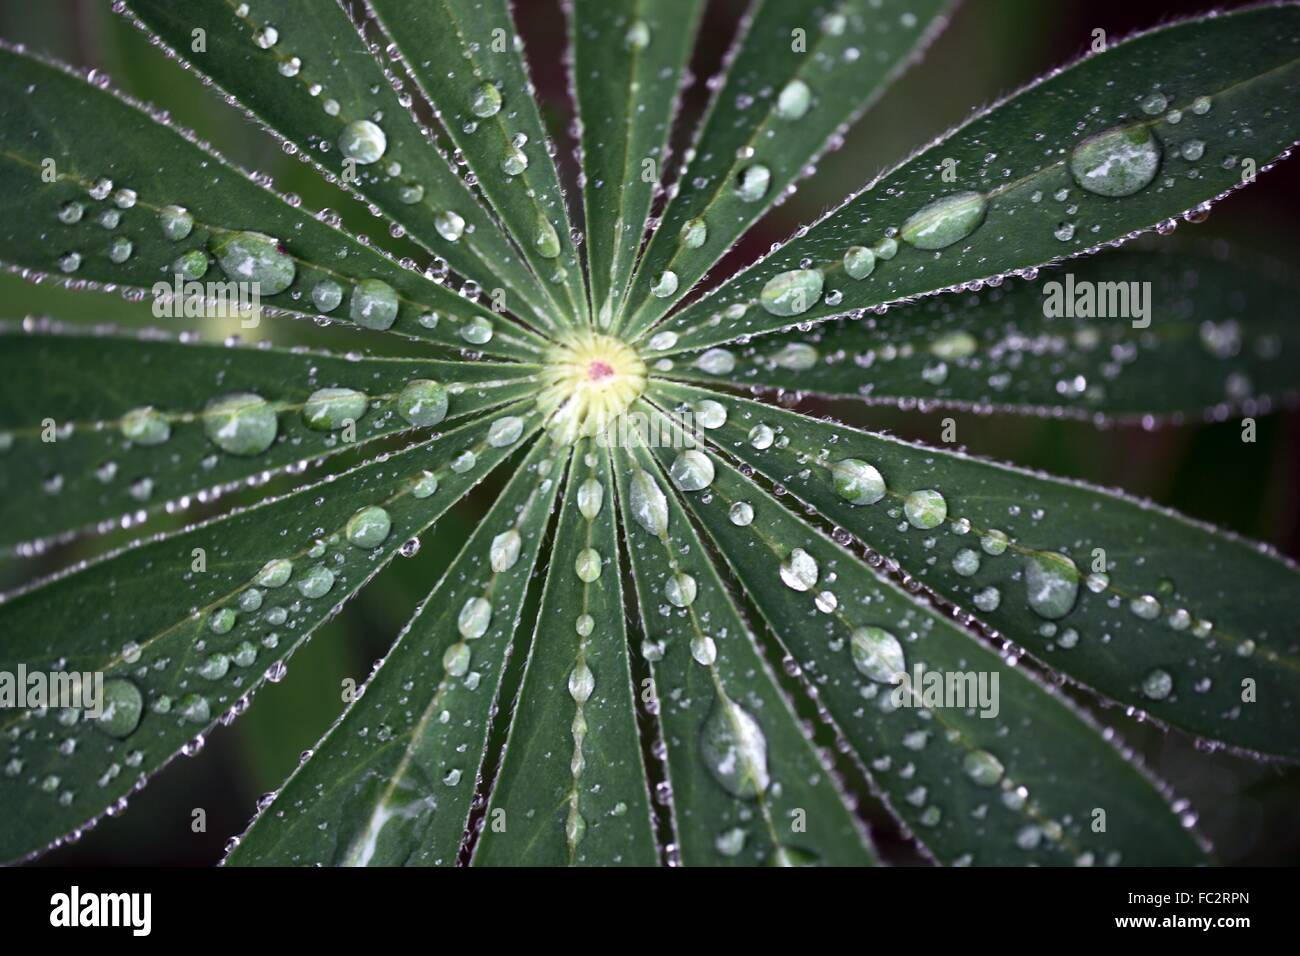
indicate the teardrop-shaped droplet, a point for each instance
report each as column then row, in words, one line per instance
column 735, row 750
column 946, row 220
column 647, row 502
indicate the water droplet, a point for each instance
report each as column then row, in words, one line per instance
column 450, row 225
column 1192, row 150
column 316, row 582
column 710, row 414
column 966, row 562
column 195, row 708
column 254, row 257
column 665, row 284
column 591, row 495
column 1157, row 685
column 71, row 212
column 515, row 161
column 741, row 514
column 241, row 424
column 146, row 426
column 857, row 482
column 680, row 589
column 422, row 401
column 581, row 683
column 662, row 341
column 374, row 304
column 793, row 292
column 925, row 508
column 425, row 485
column 647, row 502
column 859, row 262
column 587, row 565
column 695, row 232
column 176, row 222
column 638, row 35
column 215, row 667
column 122, row 706
column 221, row 621
column 945, row 221
column 504, row 552
column 328, row 409
column 363, row 141
column 692, row 470
column 505, row 431
column 761, row 436
column 368, row 527
column 266, row 36
column 486, row 101
column 1145, row 607
column 716, row 362
column 793, row 101
column 1154, row 103
column 799, row 572
column 1051, row 584
column 1117, row 162
column 877, row 654
column 983, row 768
column 735, row 750
column 475, row 616
column 456, row 659
column 988, row 599
column 275, row 573
column 753, row 182
column 546, row 241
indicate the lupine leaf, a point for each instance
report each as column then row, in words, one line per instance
column 1125, row 140
column 309, row 86
column 132, row 420
column 1142, row 604
column 1012, row 776
column 799, row 74
column 1217, row 335
column 392, row 782
column 572, row 788
column 96, row 143
column 628, row 62
column 784, row 807
column 202, row 619
column 456, row 51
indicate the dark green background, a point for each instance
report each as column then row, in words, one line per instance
column 1250, row 811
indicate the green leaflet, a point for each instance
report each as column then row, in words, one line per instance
column 572, row 788
column 979, row 778
column 712, row 688
column 1217, row 334
column 309, row 86
column 202, row 618
column 1139, row 603
column 136, row 423
column 392, row 782
column 801, row 72
column 136, row 204
column 629, row 61
column 1122, row 141
column 468, row 60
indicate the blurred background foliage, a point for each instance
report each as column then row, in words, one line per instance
column 990, row 48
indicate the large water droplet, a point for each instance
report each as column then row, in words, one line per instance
column 327, row 409
column 753, row 182
column 857, row 482
column 647, row 501
column 241, row 424
column 877, row 654
column 793, row 292
column 735, row 750
column 591, row 496
column 1051, row 584
column 504, row 552
column 374, row 304
column 587, row 565
column 800, row 571
column 146, row 426
column 1117, row 162
column 793, row 101
column 122, row 707
column 925, row 508
column 944, row 221
column 363, row 141
column 680, row 589
column 368, row 527
column 692, row 470
column 422, row 401
column 254, row 257
column 475, row 616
